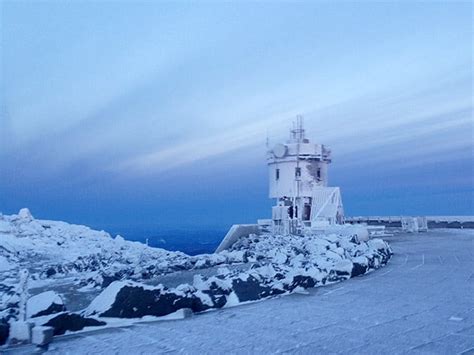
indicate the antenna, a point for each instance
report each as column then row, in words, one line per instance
column 297, row 133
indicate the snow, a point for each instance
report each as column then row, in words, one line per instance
column 205, row 299
column 344, row 265
column 5, row 264
column 5, row 227
column 57, row 249
column 92, row 265
column 25, row 214
column 407, row 307
column 107, row 297
column 20, row 331
column 41, row 335
column 41, row 302
column 232, row 300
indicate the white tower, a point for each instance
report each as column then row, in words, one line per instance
column 298, row 174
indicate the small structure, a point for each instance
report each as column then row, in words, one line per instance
column 298, row 180
column 414, row 224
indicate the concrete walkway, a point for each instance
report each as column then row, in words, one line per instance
column 422, row 302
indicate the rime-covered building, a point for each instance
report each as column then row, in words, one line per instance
column 298, row 180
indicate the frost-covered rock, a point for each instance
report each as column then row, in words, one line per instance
column 71, row 322
column 52, row 249
column 132, row 300
column 249, row 288
column 6, row 264
column 268, row 265
column 9, row 302
column 5, row 227
column 25, row 215
column 282, row 269
column 45, row 303
column 4, row 331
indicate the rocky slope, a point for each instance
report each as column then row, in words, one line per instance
column 125, row 273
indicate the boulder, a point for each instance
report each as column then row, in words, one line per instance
column 136, row 302
column 248, row 288
column 301, row 281
column 358, row 269
column 131, row 300
column 304, row 263
column 210, row 298
column 25, row 215
column 108, row 279
column 71, row 322
column 51, row 271
column 43, row 304
column 4, row 331
column 212, row 292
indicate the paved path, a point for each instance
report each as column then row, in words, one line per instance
column 422, row 302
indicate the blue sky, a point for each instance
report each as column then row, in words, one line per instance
column 156, row 113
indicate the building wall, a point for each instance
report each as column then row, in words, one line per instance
column 285, row 184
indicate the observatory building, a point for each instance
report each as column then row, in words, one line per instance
column 298, row 180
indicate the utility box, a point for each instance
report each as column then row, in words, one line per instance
column 41, row 335
column 20, row 332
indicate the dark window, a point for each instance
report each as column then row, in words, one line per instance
column 307, row 212
column 277, row 174
column 318, row 173
column 297, row 172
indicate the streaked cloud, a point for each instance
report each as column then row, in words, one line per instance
column 131, row 93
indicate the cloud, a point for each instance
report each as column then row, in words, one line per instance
column 419, row 125
column 195, row 149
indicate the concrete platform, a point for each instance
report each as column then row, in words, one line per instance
column 421, row 303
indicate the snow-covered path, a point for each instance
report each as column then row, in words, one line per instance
column 422, row 301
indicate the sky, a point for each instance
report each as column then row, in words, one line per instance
column 121, row 113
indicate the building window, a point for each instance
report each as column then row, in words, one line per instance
column 277, row 174
column 297, row 172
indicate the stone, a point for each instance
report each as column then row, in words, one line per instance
column 71, row 322
column 4, row 331
column 250, row 289
column 302, row 281
column 25, row 214
column 136, row 302
column 44, row 303
column 50, row 272
column 358, row 269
